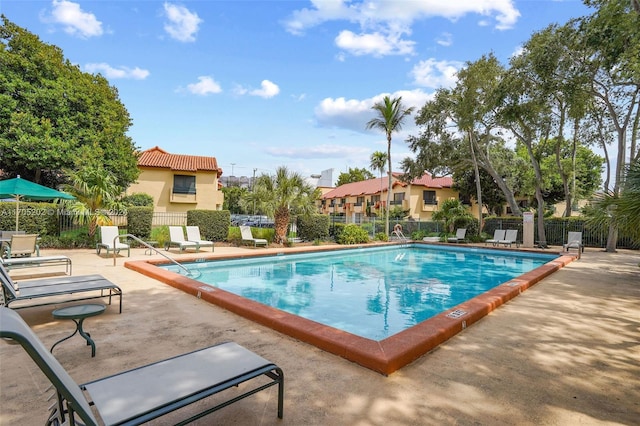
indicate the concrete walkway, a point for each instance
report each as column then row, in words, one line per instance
column 565, row 352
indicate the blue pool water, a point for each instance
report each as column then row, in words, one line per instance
column 372, row 292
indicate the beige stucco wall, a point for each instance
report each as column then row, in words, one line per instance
column 159, row 183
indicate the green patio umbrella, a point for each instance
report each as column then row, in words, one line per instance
column 18, row 188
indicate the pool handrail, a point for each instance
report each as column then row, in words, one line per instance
column 151, row 248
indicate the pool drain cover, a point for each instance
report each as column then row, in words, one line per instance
column 457, row 313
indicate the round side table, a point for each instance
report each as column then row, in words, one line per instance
column 78, row 314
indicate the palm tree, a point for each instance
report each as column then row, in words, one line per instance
column 95, row 190
column 280, row 195
column 623, row 210
column 452, row 213
column 391, row 114
column 377, row 162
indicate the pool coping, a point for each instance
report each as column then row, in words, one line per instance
column 385, row 356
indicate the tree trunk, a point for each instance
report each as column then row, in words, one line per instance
column 386, row 221
column 478, row 185
column 281, row 224
column 508, row 194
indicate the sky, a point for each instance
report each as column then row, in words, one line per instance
column 264, row 84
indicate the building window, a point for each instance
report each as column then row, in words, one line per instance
column 375, row 199
column 465, row 199
column 359, row 201
column 429, row 197
column 183, row 184
column 398, row 198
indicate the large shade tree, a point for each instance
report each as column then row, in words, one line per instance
column 391, row 115
column 281, row 195
column 54, row 117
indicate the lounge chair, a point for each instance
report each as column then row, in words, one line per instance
column 109, row 234
column 574, row 240
column 176, row 238
column 21, row 245
column 460, row 236
column 34, row 261
column 498, row 234
column 59, row 286
column 193, row 235
column 511, row 237
column 247, row 237
column 145, row 393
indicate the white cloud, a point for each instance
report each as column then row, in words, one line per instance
column 205, row 86
column 318, row 151
column 116, row 73
column 375, row 44
column 354, row 114
column 182, row 24
column 436, row 74
column 267, row 90
column 74, row 20
column 445, row 39
column 384, row 23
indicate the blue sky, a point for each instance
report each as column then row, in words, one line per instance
column 262, row 84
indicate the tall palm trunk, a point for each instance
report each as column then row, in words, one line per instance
column 281, row 224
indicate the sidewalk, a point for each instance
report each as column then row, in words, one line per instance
column 565, row 352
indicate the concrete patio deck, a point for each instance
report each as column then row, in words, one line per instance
column 566, row 351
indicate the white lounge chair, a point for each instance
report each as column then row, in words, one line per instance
column 109, row 234
column 460, row 236
column 151, row 391
column 193, row 235
column 498, row 235
column 574, row 240
column 247, row 237
column 176, row 238
column 511, row 237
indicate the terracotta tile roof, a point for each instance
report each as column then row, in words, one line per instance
column 157, row 157
column 372, row 186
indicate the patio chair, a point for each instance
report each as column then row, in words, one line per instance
column 109, row 234
column 460, row 236
column 498, row 234
column 247, row 237
column 50, row 288
column 176, row 238
column 574, row 240
column 35, row 261
column 511, row 237
column 21, row 245
column 193, row 235
column 145, row 393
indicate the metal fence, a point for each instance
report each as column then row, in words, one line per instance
column 555, row 230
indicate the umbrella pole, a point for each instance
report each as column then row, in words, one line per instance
column 17, row 209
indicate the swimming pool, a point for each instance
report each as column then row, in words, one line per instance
column 390, row 353
column 373, row 293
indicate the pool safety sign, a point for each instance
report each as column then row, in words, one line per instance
column 527, row 229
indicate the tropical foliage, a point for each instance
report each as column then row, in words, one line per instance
column 391, row 115
column 453, row 214
column 281, row 195
column 96, row 191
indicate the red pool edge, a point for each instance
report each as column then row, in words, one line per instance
column 385, row 356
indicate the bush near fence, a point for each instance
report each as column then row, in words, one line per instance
column 213, row 224
column 556, row 229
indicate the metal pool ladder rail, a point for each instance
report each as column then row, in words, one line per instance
column 188, row 272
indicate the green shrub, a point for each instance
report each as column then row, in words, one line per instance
column 352, row 234
column 313, row 227
column 139, row 220
column 214, row 224
column 381, row 236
